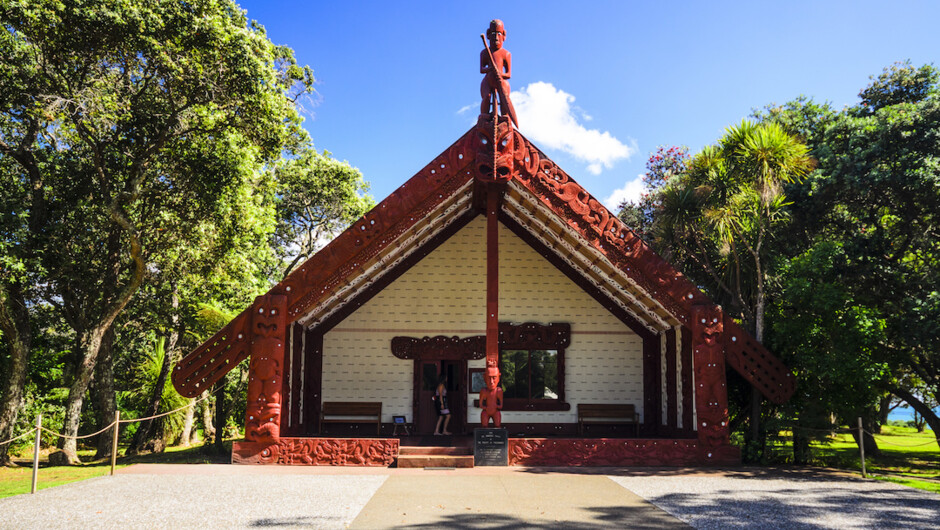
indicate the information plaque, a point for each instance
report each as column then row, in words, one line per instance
column 490, row 447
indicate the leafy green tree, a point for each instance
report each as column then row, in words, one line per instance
column 722, row 214
column 318, row 197
column 128, row 125
column 877, row 194
column 663, row 164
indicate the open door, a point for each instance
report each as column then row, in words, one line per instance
column 427, row 373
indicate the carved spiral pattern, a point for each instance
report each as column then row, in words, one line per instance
column 318, row 452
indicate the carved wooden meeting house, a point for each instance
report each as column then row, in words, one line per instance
column 490, row 256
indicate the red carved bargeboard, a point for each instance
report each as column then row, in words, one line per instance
column 380, row 452
column 603, row 452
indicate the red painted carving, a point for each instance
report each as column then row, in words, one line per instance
column 318, row 452
column 440, row 347
column 208, row 363
column 491, row 397
column 502, row 138
column 602, row 452
column 711, row 393
column 332, row 266
column 603, row 230
column 496, row 64
column 534, row 336
column 266, row 369
column 750, row 359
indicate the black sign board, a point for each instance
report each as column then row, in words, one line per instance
column 490, row 447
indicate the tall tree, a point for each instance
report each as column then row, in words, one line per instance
column 132, row 124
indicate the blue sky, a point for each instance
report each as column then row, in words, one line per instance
column 601, row 83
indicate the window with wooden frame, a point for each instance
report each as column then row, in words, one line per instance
column 532, row 365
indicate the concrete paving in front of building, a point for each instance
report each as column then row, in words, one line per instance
column 508, row 500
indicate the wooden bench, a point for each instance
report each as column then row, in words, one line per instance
column 610, row 414
column 351, row 412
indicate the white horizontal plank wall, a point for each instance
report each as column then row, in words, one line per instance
column 445, row 294
column 603, row 364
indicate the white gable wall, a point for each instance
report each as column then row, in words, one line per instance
column 445, row 294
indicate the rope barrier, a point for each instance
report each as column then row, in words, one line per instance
column 879, row 438
column 202, row 398
column 24, row 435
column 110, row 425
column 50, row 431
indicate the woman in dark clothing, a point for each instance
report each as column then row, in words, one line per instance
column 443, row 410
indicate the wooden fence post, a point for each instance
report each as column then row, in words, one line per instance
column 861, row 445
column 36, row 453
column 114, row 441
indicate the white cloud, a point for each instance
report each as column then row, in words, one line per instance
column 547, row 117
column 631, row 191
column 466, row 108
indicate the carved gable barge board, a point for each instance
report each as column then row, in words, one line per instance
column 761, row 368
column 555, row 233
column 382, row 225
column 336, row 262
column 576, row 276
column 450, row 211
column 366, row 294
column 605, row 233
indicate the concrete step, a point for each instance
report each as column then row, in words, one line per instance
column 431, row 450
column 420, row 461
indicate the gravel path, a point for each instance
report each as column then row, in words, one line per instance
column 195, row 501
column 781, row 499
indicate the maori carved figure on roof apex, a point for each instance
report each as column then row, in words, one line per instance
column 268, row 328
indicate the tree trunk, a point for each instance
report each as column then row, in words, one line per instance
column 801, row 451
column 146, row 436
column 221, row 414
column 15, row 325
column 871, row 445
column 884, row 408
column 186, row 435
column 103, row 393
column 208, row 428
column 90, row 346
column 922, row 408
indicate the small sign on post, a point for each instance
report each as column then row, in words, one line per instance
column 490, row 447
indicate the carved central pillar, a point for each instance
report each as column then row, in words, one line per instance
column 492, row 277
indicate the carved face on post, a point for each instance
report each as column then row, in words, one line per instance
column 496, row 34
column 492, row 378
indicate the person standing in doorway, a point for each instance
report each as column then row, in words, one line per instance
column 443, row 410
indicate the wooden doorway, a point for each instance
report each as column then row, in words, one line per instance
column 427, row 373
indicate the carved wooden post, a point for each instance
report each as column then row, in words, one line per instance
column 711, row 392
column 267, row 338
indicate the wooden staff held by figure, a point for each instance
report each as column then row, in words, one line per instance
column 496, row 63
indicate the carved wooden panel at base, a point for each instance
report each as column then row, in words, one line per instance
column 604, row 452
column 318, row 452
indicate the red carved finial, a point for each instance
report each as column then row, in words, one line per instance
column 496, row 63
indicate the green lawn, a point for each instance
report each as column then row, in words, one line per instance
column 907, row 457
column 15, row 480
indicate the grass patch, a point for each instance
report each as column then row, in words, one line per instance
column 906, row 456
column 15, row 480
column 912, row 483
